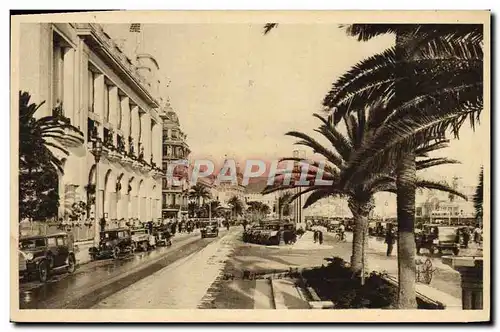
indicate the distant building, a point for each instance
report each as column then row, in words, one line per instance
column 175, row 149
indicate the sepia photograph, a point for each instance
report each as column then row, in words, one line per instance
column 216, row 166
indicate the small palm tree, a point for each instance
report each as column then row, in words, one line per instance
column 478, row 198
column 199, row 193
column 236, row 206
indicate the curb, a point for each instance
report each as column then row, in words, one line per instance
column 278, row 300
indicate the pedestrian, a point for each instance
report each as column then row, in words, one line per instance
column 477, row 234
column 389, row 239
column 320, row 237
column 466, row 237
column 315, row 236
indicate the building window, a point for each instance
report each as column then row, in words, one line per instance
column 58, row 51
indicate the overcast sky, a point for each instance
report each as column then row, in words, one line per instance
column 237, row 92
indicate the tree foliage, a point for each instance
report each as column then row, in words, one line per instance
column 39, row 167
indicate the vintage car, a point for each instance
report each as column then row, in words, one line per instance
column 436, row 239
column 162, row 235
column 333, row 226
column 372, row 227
column 141, row 238
column 39, row 256
column 113, row 243
column 209, row 228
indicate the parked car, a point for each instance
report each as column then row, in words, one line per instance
column 163, row 236
column 209, row 228
column 113, row 243
column 142, row 239
column 437, row 238
column 39, row 256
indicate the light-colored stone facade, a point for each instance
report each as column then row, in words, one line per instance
column 104, row 94
column 175, row 149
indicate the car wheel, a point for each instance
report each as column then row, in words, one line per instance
column 456, row 251
column 144, row 246
column 43, row 271
column 116, row 252
column 71, row 264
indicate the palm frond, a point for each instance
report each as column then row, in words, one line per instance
column 432, row 162
column 317, row 147
column 269, row 26
column 399, row 137
column 320, row 194
column 426, row 184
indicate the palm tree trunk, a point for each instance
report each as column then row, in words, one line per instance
column 405, row 182
column 360, row 212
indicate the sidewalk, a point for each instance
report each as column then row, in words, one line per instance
column 239, row 293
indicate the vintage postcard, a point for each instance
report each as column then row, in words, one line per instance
column 210, row 166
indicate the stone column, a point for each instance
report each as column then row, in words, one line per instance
column 471, row 273
column 472, row 286
column 146, row 135
column 134, row 118
column 114, row 103
column 69, row 85
column 125, row 106
column 99, row 91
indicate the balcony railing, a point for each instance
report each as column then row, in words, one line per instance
column 171, row 206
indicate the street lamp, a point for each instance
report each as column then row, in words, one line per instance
column 97, row 152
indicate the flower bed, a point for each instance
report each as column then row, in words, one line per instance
column 336, row 283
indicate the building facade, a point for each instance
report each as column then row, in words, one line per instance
column 106, row 96
column 175, row 150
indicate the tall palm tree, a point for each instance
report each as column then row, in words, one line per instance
column 359, row 193
column 430, row 81
column 199, row 193
column 38, row 165
column 478, row 198
column 236, row 206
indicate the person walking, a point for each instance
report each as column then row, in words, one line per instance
column 389, row 239
column 466, row 237
column 320, row 237
column 315, row 236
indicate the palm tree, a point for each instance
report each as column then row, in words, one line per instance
column 236, row 206
column 199, row 193
column 192, row 208
column 258, row 209
column 429, row 82
column 478, row 198
column 38, row 165
column 359, row 193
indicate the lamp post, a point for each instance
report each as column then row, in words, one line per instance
column 97, row 152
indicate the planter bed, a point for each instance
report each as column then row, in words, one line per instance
column 335, row 286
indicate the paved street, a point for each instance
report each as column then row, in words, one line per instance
column 205, row 273
column 95, row 281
